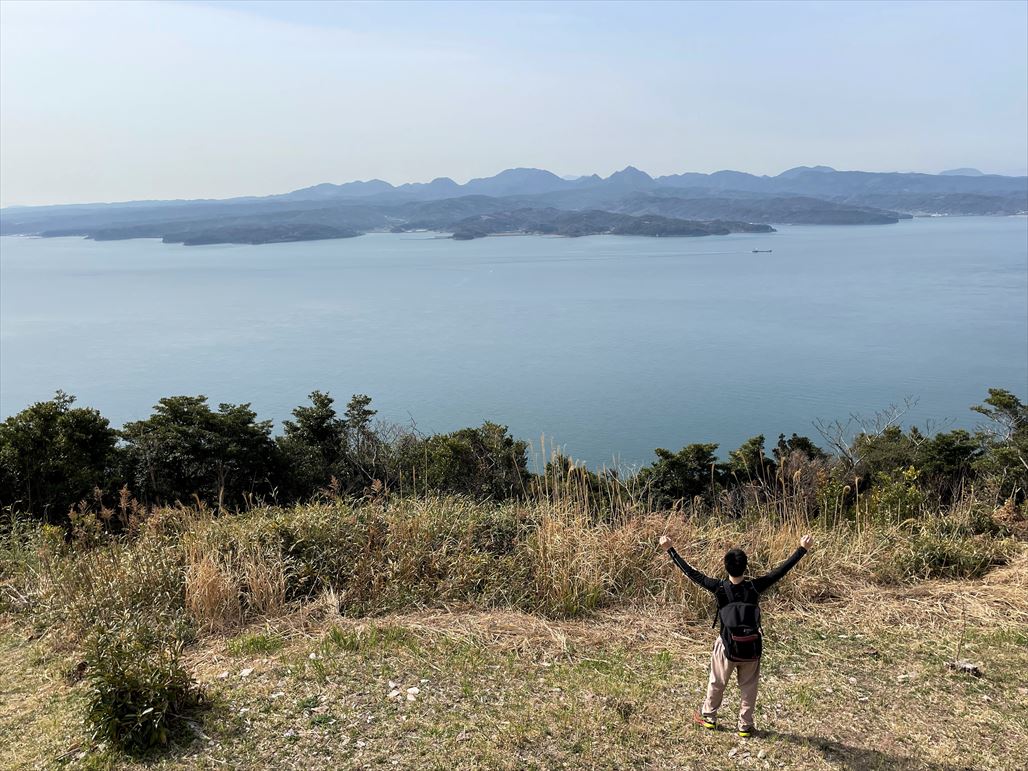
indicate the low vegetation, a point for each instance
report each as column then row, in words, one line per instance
column 463, row 611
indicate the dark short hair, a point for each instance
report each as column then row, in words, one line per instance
column 735, row 562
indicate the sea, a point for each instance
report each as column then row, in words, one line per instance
column 604, row 347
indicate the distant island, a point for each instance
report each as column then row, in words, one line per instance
column 628, row 202
column 585, row 223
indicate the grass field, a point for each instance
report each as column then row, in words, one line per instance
column 858, row 681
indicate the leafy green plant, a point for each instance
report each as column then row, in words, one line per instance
column 140, row 695
column 897, row 496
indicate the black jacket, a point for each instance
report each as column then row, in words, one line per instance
column 747, row 591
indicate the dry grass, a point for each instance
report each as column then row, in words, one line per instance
column 859, row 682
column 554, row 559
column 845, row 686
column 264, row 581
column 998, row 601
column 473, row 597
column 212, row 593
column 221, row 590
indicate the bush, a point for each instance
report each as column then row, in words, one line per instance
column 186, row 451
column 485, row 462
column 931, row 554
column 140, row 696
column 53, row 455
column 414, row 553
column 680, row 476
column 897, row 496
column 884, row 452
column 333, row 547
column 750, row 462
column 945, row 461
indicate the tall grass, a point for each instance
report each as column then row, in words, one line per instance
column 130, row 601
column 190, row 570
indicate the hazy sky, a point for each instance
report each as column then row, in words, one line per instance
column 124, row 100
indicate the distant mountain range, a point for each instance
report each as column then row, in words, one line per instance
column 520, row 200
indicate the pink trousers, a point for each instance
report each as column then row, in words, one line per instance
column 748, row 674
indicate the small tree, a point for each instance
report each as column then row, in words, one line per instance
column 1009, row 417
column 362, row 459
column 484, row 462
column 795, row 443
column 681, row 476
column 185, row 449
column 1005, row 442
column 53, row 455
column 312, row 446
column 750, row 463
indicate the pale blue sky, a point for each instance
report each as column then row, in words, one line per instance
column 125, row 100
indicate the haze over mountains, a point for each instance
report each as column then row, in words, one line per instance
column 525, row 200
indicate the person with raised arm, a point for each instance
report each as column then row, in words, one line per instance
column 739, row 645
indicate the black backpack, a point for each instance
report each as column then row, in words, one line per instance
column 740, row 622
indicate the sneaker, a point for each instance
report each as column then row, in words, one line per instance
column 710, row 723
column 747, row 732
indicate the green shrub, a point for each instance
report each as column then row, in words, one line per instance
column 934, row 554
column 897, row 496
column 945, row 461
column 483, row 462
column 681, row 476
column 883, row 452
column 332, row 546
column 140, row 696
column 53, row 455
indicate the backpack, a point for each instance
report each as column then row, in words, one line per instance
column 740, row 622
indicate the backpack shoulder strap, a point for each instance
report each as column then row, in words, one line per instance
column 755, row 593
column 756, row 603
column 717, row 605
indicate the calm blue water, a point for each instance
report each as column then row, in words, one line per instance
column 610, row 345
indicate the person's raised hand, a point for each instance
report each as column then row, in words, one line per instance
column 807, row 541
column 666, row 543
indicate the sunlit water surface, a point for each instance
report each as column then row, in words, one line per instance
column 610, row 345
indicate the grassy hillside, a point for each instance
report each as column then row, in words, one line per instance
column 535, row 634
